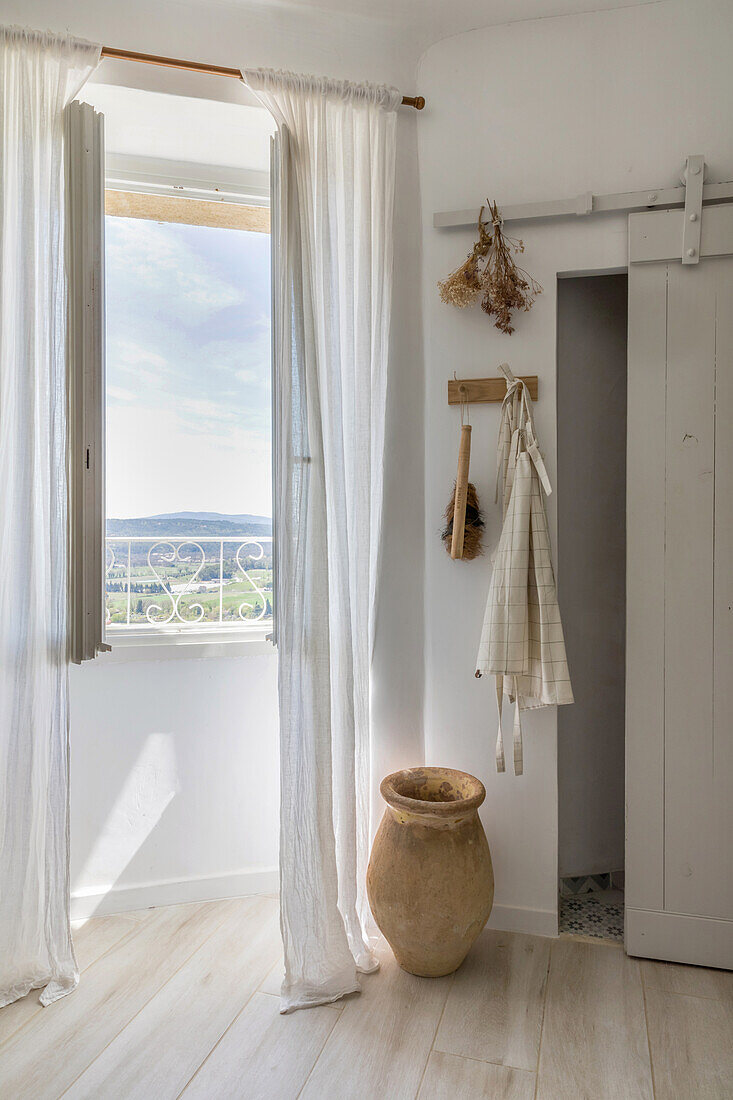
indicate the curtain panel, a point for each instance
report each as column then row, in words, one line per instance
column 39, row 75
column 333, row 206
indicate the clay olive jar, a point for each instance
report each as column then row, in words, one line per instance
column 430, row 881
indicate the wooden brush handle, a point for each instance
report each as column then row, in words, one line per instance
column 459, row 507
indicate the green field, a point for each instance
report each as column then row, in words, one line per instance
column 172, row 593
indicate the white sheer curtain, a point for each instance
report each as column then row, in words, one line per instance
column 333, row 285
column 39, row 75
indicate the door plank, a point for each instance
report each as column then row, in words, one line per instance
column 159, row 1051
column 690, row 859
column 494, row 1008
column 720, row 883
column 645, row 586
column 381, row 1043
column 92, row 940
column 690, row 1043
column 264, row 1054
column 58, row 1044
column 449, row 1077
column 679, row 755
column 594, row 1040
column 679, row 937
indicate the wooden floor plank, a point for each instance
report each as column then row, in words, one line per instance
column 263, row 1054
column 380, row 1045
column 159, row 1051
column 695, row 981
column 91, row 940
column 274, row 980
column 494, row 1009
column 594, row 1041
column 691, row 1043
column 169, row 1005
column 58, row 1044
column 449, row 1077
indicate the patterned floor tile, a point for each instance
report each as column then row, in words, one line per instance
column 588, row 915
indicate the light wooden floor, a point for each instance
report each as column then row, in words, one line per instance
column 182, row 1001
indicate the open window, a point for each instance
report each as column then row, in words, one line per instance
column 170, row 440
column 188, row 416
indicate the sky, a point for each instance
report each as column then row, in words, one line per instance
column 188, row 369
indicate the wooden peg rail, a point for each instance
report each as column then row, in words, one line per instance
column 479, row 391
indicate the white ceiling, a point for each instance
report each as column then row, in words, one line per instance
column 141, row 121
column 426, row 21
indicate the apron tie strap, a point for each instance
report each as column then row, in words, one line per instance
column 500, row 764
column 516, row 732
column 518, row 752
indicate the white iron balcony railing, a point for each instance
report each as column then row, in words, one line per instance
column 198, row 583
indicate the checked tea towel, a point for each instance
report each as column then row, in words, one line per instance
column 522, row 641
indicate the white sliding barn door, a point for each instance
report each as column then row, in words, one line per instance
column 679, row 690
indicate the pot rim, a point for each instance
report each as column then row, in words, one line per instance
column 389, row 789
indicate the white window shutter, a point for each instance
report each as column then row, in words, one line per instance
column 277, row 319
column 84, row 150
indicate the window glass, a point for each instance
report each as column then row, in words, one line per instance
column 188, row 462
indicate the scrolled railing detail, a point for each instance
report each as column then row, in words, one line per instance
column 151, row 590
column 175, row 598
column 109, row 564
column 256, row 588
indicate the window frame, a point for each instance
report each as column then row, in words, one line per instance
column 227, row 186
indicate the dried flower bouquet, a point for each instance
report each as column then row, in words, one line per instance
column 505, row 287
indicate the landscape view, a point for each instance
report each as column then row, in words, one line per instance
column 184, row 568
column 188, row 427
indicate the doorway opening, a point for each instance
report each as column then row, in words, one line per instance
column 591, row 478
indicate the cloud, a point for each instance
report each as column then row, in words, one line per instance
column 156, row 463
column 201, row 414
column 189, row 370
column 158, row 259
column 134, row 354
column 248, row 357
column 117, row 393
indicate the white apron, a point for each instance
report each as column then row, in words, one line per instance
column 522, row 642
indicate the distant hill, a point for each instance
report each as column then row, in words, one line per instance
column 214, row 517
column 182, row 524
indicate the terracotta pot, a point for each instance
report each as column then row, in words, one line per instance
column 430, row 881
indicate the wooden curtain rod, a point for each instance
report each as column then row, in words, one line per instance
column 416, row 101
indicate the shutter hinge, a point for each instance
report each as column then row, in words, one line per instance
column 693, row 178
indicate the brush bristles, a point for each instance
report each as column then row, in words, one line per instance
column 474, row 524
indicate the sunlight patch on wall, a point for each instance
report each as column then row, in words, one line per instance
column 147, row 791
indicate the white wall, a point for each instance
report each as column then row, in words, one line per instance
column 608, row 101
column 174, row 762
column 174, row 781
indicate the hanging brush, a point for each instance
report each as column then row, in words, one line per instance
column 463, row 520
column 472, row 526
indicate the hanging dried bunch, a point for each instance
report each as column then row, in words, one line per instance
column 463, row 286
column 506, row 287
column 490, row 271
column 474, row 524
